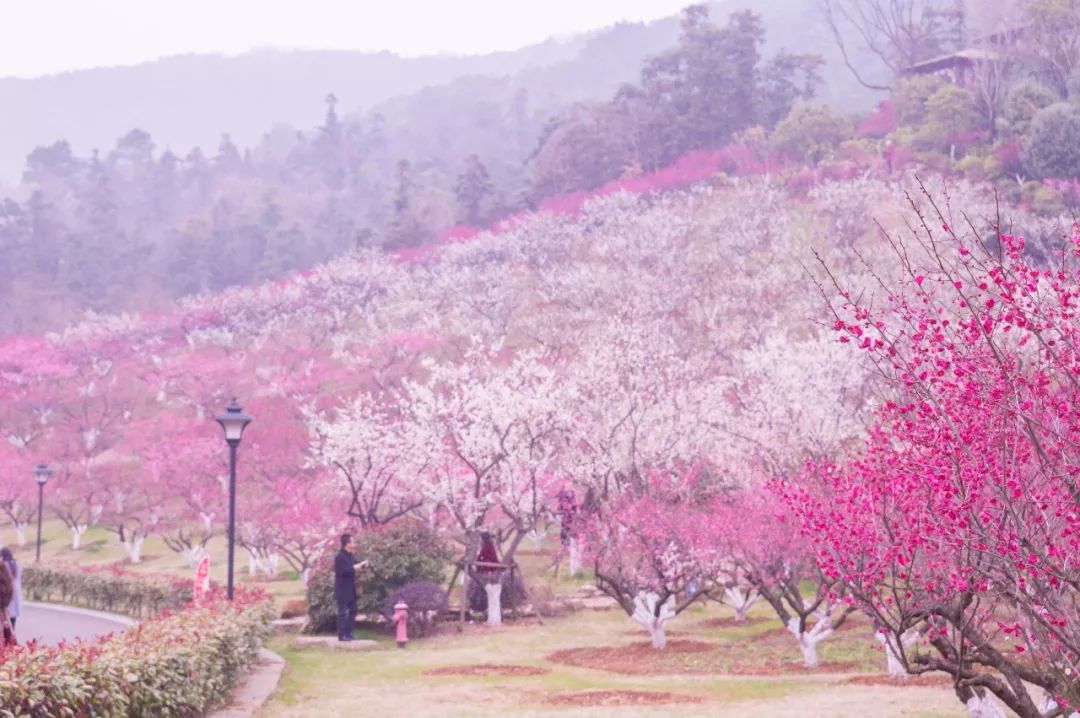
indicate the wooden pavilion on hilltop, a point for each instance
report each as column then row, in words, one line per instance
column 959, row 66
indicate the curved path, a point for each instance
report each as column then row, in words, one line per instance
column 50, row 623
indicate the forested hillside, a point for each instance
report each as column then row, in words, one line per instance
column 137, row 225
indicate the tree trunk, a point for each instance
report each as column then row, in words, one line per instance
column 575, row 556
column 809, row 640
column 494, row 603
column 305, row 577
column 269, row 564
column 1048, row 704
column 20, row 533
column 133, row 546
column 76, row 536
column 647, row 614
column 894, row 664
column 983, row 706
column 194, row 555
column 740, row 599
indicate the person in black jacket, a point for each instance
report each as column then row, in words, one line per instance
column 345, row 566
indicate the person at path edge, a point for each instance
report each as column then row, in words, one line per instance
column 7, row 590
column 345, row 566
column 15, row 607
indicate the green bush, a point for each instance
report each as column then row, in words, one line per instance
column 973, row 168
column 1022, row 101
column 811, row 132
column 910, row 95
column 950, row 113
column 1046, row 200
column 397, row 554
column 1052, row 148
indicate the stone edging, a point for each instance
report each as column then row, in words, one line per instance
column 249, row 694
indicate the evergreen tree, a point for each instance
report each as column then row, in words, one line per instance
column 472, row 189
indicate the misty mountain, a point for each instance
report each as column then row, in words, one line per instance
column 191, row 100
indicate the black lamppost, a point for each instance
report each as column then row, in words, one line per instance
column 42, row 474
column 232, row 420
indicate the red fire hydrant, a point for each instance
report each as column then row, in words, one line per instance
column 401, row 618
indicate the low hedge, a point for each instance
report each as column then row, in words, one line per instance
column 178, row 664
column 106, row 589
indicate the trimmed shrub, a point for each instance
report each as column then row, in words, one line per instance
column 106, row 589
column 175, row 665
column 1052, row 147
column 426, row 601
column 397, row 554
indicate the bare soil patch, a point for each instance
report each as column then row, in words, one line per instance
column 787, row 668
column 687, row 657
column 730, row 622
column 619, row 698
column 884, row 680
column 633, row 659
column 487, row 669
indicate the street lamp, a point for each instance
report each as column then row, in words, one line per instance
column 41, row 474
column 232, row 420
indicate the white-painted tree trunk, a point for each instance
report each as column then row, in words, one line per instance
column 984, row 706
column 1048, row 704
column 269, row 564
column 646, row 613
column 305, row 576
column 809, row 640
column 76, row 535
column 133, row 546
column 740, row 599
column 494, row 603
column 194, row 554
column 253, row 562
column 894, row 663
column 575, row 556
column 20, row 533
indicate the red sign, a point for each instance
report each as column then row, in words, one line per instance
column 202, row 578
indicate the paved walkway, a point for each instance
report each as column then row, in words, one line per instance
column 49, row 623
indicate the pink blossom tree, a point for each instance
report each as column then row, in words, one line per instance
column 653, row 550
column 763, row 546
column 959, row 518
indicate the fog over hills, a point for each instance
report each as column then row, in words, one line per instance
column 191, row 100
column 188, row 101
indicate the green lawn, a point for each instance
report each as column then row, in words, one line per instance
column 389, row 681
column 732, row 670
column 102, row 547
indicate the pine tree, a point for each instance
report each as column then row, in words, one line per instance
column 473, row 187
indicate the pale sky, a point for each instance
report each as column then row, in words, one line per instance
column 39, row 37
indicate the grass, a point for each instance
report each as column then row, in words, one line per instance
column 101, row 547
column 389, row 681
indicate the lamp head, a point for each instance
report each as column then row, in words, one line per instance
column 233, row 420
column 42, row 473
